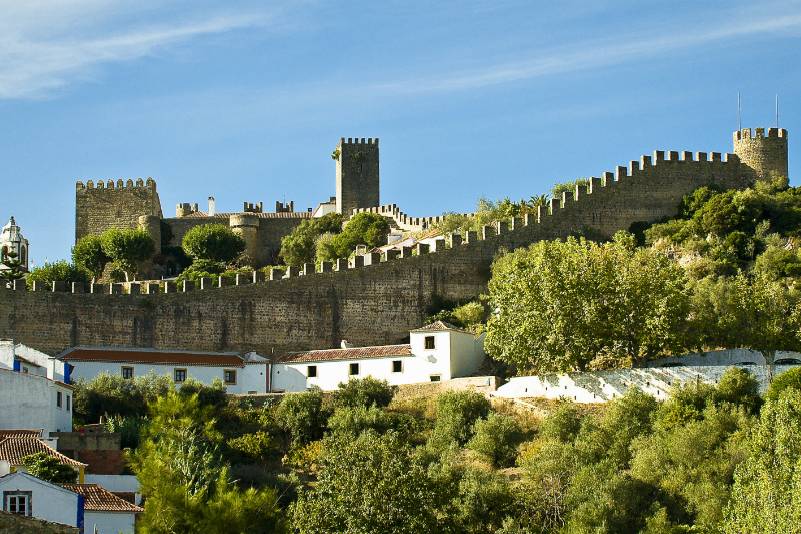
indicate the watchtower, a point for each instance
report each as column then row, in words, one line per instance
column 357, row 174
column 764, row 155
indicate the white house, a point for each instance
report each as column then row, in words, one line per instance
column 104, row 512
column 246, row 373
column 31, row 400
column 436, row 352
column 25, row 359
column 29, row 496
column 88, row 507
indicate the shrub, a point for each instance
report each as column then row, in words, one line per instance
column 363, row 392
column 59, row 271
column 563, row 424
column 254, row 446
column 129, row 427
column 787, row 380
column 48, row 468
column 300, row 415
column 497, row 438
column 739, row 387
column 113, row 395
column 355, row 420
column 213, row 242
column 457, row 412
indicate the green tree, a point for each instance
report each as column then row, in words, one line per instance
column 363, row 392
column 12, row 267
column 59, row 271
column 559, row 306
column 47, row 468
column 300, row 245
column 497, row 438
column 127, row 248
column 372, row 483
column 765, row 495
column 88, row 255
column 358, row 419
column 369, row 229
column 213, row 243
column 113, row 395
column 787, row 380
column 457, row 413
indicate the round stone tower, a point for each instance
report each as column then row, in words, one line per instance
column 152, row 225
column 764, row 155
column 246, row 225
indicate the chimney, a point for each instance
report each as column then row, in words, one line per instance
column 212, row 206
column 346, row 345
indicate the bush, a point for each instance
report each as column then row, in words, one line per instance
column 563, row 424
column 355, row 420
column 457, row 412
column 60, row 271
column 787, row 380
column 48, row 468
column 254, row 446
column 213, row 242
column 363, row 392
column 113, row 395
column 129, row 427
column 739, row 387
column 497, row 438
column 301, row 416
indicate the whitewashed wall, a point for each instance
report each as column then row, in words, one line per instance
column 48, row 502
column 602, row 386
column 29, row 401
column 48, row 366
column 109, row 522
column 250, row 378
column 723, row 357
column 455, row 354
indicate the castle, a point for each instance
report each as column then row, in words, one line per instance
column 375, row 299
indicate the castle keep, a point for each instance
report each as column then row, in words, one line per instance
column 377, row 298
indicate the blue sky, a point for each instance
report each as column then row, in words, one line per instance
column 471, row 98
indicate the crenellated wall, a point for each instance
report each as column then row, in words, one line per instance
column 373, row 300
column 108, row 205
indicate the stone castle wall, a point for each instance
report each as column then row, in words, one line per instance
column 377, row 300
column 101, row 206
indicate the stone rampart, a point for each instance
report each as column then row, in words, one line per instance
column 364, row 301
column 103, row 205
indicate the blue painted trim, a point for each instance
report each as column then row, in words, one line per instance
column 17, row 366
column 67, row 373
column 79, row 518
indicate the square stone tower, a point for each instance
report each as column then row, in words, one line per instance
column 357, row 174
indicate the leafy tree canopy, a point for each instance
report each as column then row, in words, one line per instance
column 369, row 229
column 300, row 245
column 127, row 248
column 213, row 243
column 88, row 255
column 48, row 468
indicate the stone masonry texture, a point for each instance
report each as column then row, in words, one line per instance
column 367, row 305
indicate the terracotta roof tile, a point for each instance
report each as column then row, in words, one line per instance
column 353, row 353
column 438, row 326
column 13, row 450
column 99, row 499
column 20, row 433
column 99, row 354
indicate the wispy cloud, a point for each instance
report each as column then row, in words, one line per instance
column 35, row 59
column 594, row 55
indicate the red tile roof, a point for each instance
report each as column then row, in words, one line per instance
column 154, row 356
column 353, row 353
column 13, row 450
column 99, row 499
column 20, row 433
column 438, row 326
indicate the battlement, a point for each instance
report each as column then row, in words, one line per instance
column 183, row 209
column 252, row 207
column 402, row 220
column 759, row 133
column 358, row 141
column 120, row 184
column 281, row 207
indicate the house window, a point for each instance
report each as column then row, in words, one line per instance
column 58, row 399
column 435, row 378
column 179, row 375
column 229, row 376
column 17, row 502
column 354, row 369
column 127, row 373
column 311, row 371
column 430, row 345
column 397, row 366
column 68, row 402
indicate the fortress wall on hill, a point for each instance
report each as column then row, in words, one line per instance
column 371, row 304
column 109, row 205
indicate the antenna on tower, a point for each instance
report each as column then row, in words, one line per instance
column 777, row 110
column 739, row 113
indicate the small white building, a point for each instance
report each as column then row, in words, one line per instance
column 87, row 507
column 27, row 495
column 11, row 240
column 104, row 512
column 246, row 373
column 24, row 359
column 436, row 352
column 31, row 400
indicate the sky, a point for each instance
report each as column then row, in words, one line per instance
column 246, row 100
